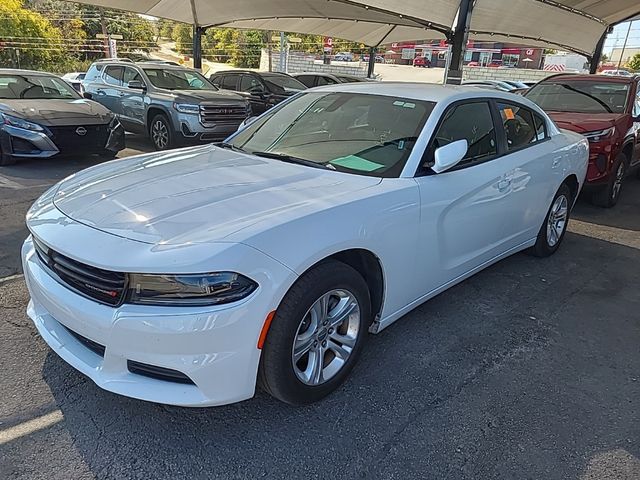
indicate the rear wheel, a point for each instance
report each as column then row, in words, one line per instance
column 610, row 194
column 555, row 224
column 316, row 335
column 160, row 132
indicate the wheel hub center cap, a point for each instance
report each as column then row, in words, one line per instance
column 322, row 334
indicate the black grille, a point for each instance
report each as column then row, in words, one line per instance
column 90, row 344
column 214, row 114
column 101, row 285
column 68, row 140
column 159, row 373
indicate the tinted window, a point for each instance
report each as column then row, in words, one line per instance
column 351, row 132
column 113, row 75
column 279, row 83
column 322, row 80
column 215, row 79
column 130, row 74
column 471, row 122
column 519, row 126
column 249, row 83
column 541, row 126
column 306, row 79
column 178, row 79
column 348, row 79
column 229, row 82
column 28, row 86
column 581, row 96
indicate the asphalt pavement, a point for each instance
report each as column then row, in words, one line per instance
column 528, row 370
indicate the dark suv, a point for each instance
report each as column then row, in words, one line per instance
column 172, row 104
column 262, row 89
column 604, row 109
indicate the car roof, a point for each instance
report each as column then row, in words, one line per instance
column 16, row 71
column 584, row 77
column 249, row 71
column 420, row 91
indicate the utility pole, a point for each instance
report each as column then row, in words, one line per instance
column 103, row 25
column 283, row 55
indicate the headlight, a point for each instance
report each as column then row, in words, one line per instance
column 189, row 290
column 599, row 135
column 187, row 108
column 20, row 123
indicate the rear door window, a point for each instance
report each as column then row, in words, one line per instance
column 229, row 82
column 113, row 75
column 249, row 83
column 307, row 80
column 519, row 125
column 322, row 80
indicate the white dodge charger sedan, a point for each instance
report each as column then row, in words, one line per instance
column 191, row 276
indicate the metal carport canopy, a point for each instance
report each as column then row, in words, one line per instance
column 574, row 25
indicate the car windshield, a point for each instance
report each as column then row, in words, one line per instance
column 177, row 79
column 35, row 87
column 351, row 132
column 284, row 82
column 580, row 96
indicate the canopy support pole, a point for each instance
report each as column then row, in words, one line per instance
column 594, row 61
column 372, row 62
column 197, row 47
column 459, row 42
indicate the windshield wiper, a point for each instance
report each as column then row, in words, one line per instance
column 229, row 146
column 289, row 159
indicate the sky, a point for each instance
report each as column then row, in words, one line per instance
column 616, row 39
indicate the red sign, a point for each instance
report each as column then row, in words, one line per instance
column 328, row 44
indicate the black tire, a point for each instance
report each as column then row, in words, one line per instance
column 544, row 245
column 6, row 159
column 276, row 374
column 160, row 123
column 608, row 196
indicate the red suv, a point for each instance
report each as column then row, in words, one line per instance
column 604, row 109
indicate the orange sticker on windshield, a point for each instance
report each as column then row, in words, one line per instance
column 508, row 113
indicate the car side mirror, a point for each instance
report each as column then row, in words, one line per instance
column 87, row 95
column 136, row 85
column 449, row 155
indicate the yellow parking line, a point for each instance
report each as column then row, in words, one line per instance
column 30, row 426
column 621, row 236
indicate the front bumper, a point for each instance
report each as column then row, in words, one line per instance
column 23, row 143
column 215, row 347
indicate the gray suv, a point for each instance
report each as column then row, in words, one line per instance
column 172, row 104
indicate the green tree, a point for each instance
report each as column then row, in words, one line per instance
column 28, row 37
column 634, row 62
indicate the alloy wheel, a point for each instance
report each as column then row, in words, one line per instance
column 617, row 182
column 326, row 337
column 160, row 134
column 557, row 221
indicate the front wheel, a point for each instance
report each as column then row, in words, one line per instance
column 555, row 224
column 160, row 132
column 610, row 194
column 316, row 335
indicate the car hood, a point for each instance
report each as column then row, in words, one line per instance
column 585, row 122
column 213, row 96
column 57, row 112
column 198, row 195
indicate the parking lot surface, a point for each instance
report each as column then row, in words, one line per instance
column 528, row 370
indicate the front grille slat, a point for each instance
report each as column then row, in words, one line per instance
column 68, row 140
column 102, row 285
column 223, row 114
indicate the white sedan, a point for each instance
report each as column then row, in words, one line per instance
column 190, row 276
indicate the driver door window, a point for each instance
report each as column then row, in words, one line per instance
column 471, row 122
column 249, row 83
column 129, row 75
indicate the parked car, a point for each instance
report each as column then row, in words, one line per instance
column 343, row 57
column 171, row 104
column 75, row 79
column 422, row 62
column 269, row 258
column 378, row 58
column 495, row 64
column 317, row 79
column 43, row 116
column 516, row 84
column 605, row 109
column 263, row 90
column 491, row 84
column 473, row 64
column 617, row 73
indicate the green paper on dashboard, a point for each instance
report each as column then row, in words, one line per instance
column 356, row 163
